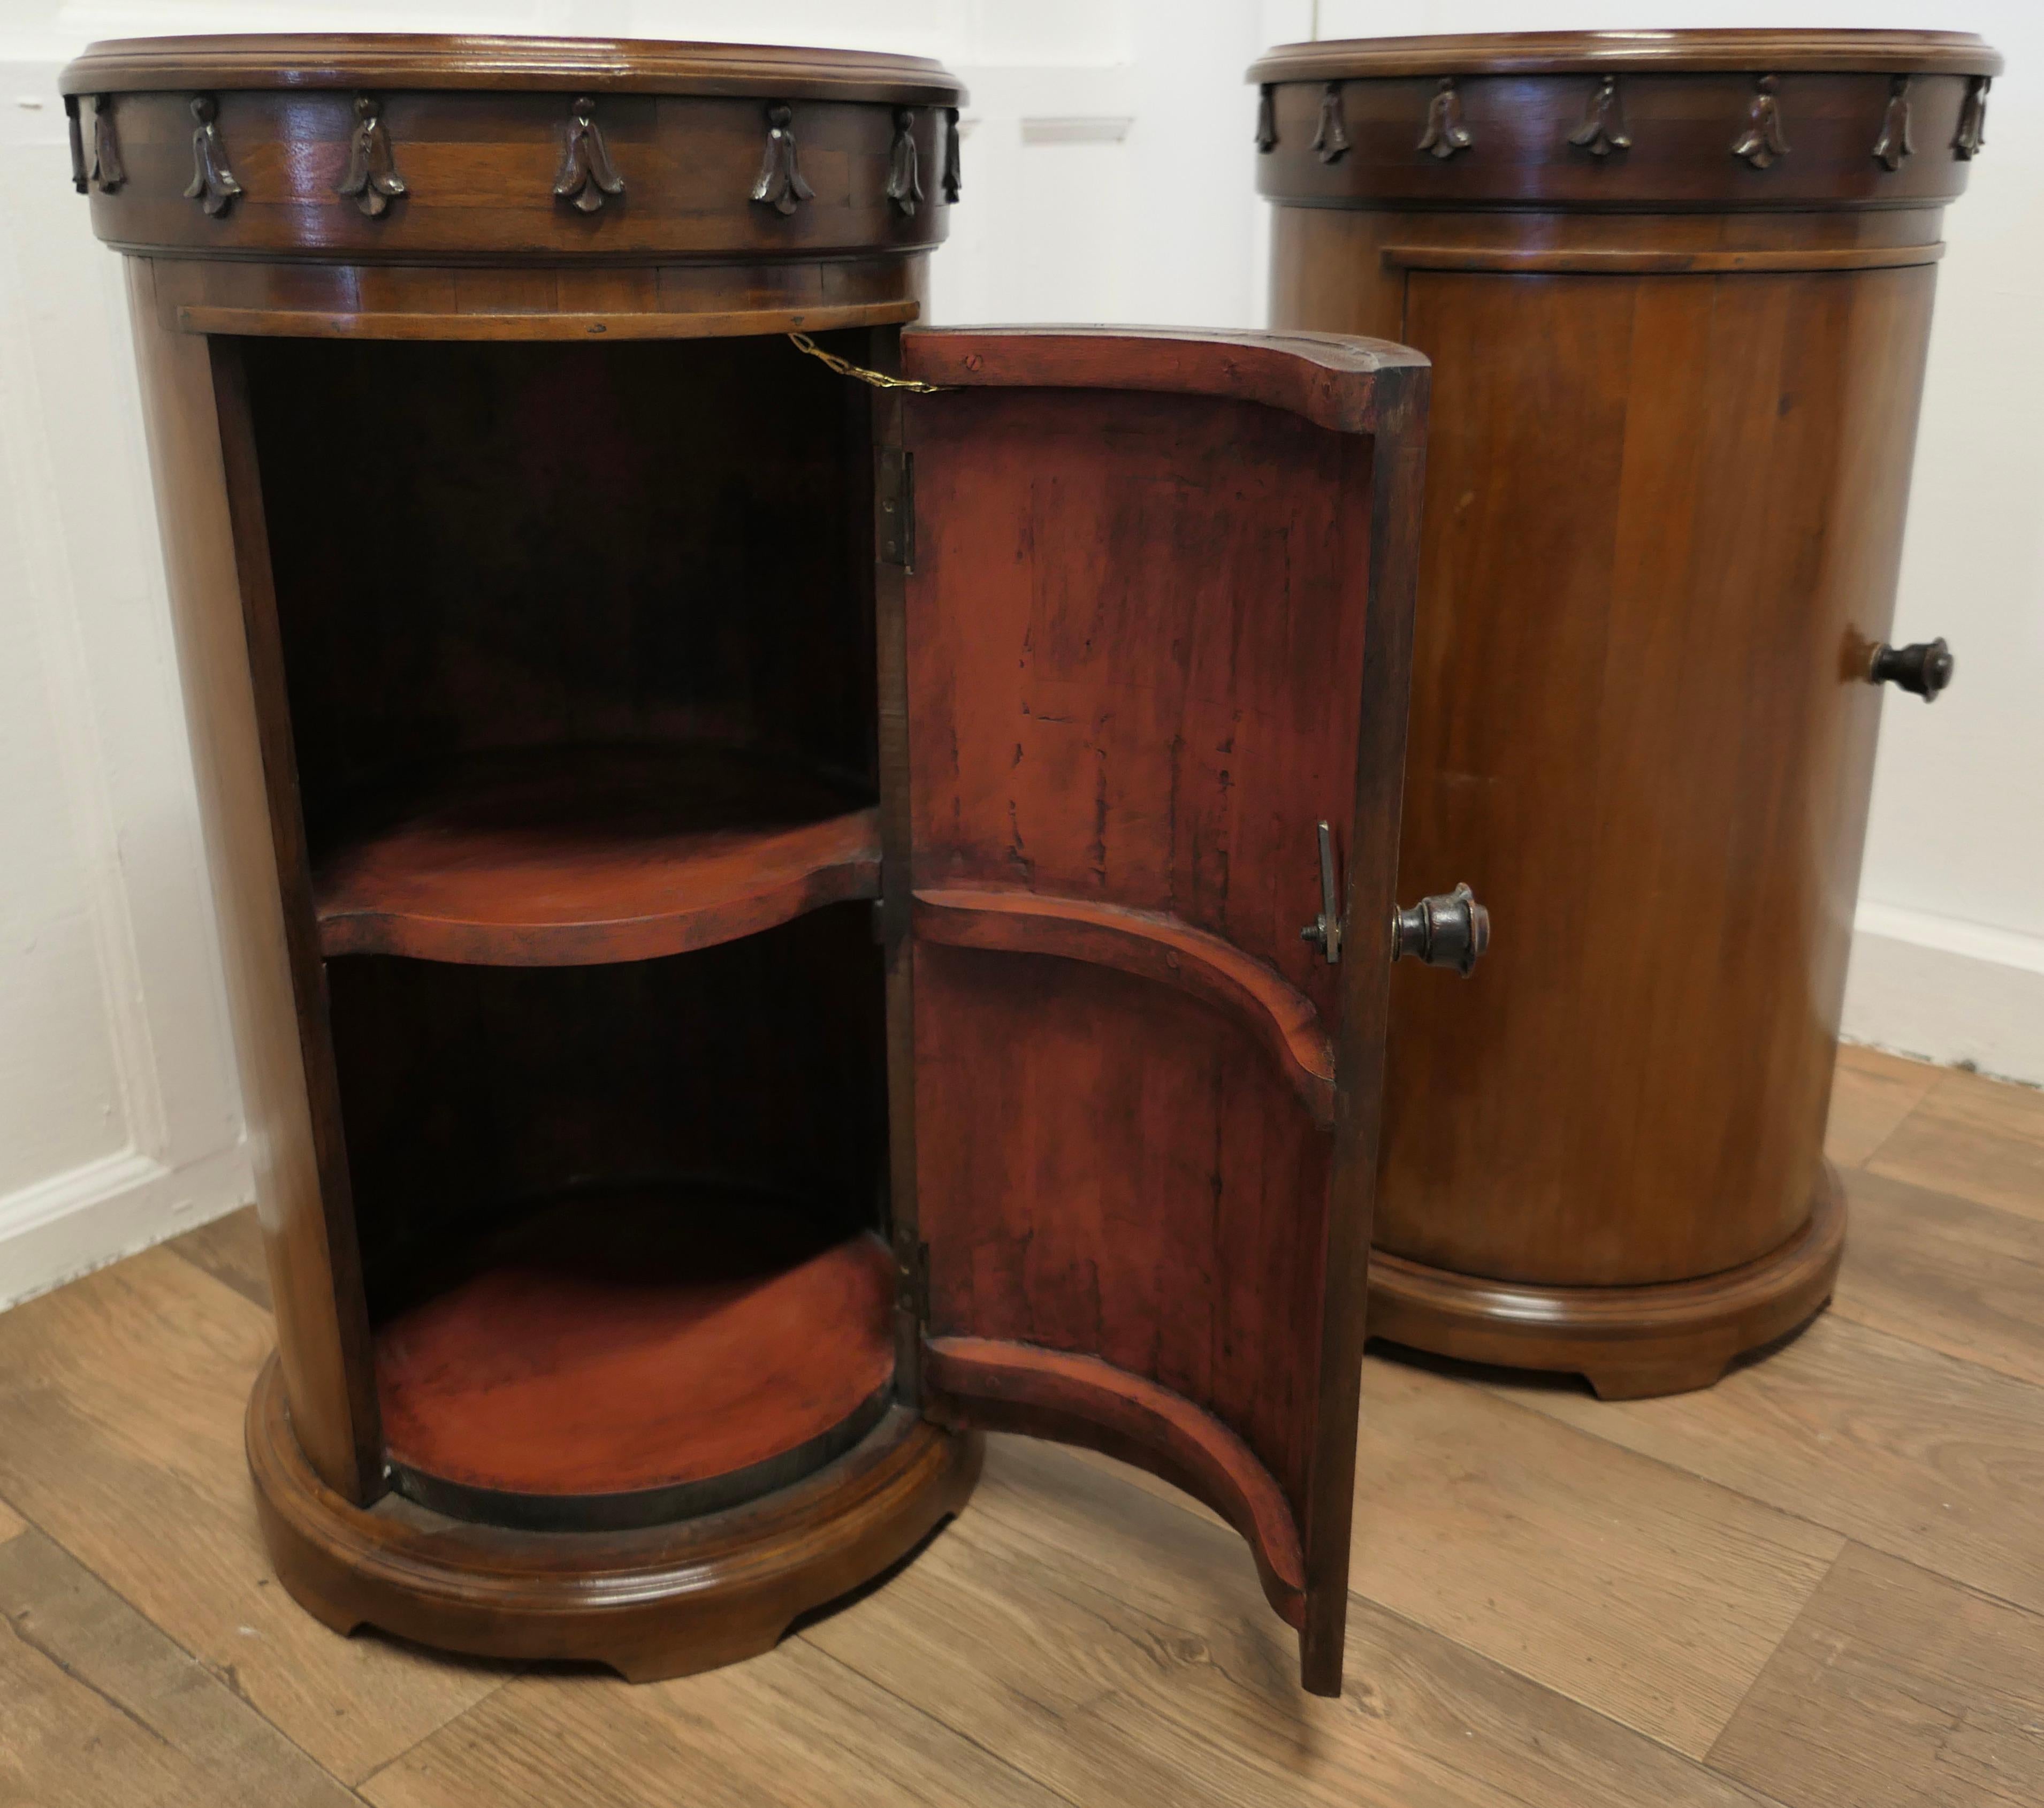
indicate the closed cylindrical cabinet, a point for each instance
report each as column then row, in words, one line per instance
column 1676, row 288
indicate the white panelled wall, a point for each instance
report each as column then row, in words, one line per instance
column 1108, row 177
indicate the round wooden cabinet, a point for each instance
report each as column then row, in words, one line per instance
column 1676, row 288
column 762, row 848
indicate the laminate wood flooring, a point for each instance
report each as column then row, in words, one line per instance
column 1819, row 1584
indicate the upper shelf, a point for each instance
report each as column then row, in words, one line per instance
column 570, row 858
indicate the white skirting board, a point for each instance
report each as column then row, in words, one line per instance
column 1949, row 991
column 83, row 1219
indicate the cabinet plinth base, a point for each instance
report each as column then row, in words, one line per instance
column 1628, row 1342
column 656, row 1602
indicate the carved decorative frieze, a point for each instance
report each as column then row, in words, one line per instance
column 1603, row 129
column 1893, row 143
column 587, row 174
column 1763, row 142
column 781, row 185
column 904, row 179
column 372, row 178
column 1444, row 133
column 212, row 185
column 1972, row 137
column 1331, row 136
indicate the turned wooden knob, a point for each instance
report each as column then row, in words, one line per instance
column 1449, row 929
column 1922, row 669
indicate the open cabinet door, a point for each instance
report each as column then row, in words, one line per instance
column 1145, row 602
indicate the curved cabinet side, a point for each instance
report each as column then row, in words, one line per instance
column 989, row 1384
column 321, row 1330
column 1151, row 946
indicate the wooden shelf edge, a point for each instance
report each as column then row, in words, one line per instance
column 987, row 1383
column 834, row 861
column 308, row 324
column 1151, row 946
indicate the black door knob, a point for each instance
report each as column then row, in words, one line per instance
column 1922, row 669
column 1449, row 929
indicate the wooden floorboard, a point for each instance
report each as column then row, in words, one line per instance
column 793, row 1727
column 1117, row 1650
column 1946, row 1273
column 101, row 1706
column 121, row 1403
column 1819, row 1584
column 1638, row 1589
column 1972, row 1137
column 1871, row 1095
column 1930, row 1459
column 230, row 1249
column 1896, row 1686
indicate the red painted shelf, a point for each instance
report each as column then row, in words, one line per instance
column 571, row 857
column 637, row 1355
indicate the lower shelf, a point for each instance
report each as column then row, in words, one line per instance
column 661, row 1601
column 637, row 1358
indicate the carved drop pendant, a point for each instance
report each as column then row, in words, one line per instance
column 587, row 174
column 212, row 185
column 781, row 185
column 1764, row 141
column 372, row 180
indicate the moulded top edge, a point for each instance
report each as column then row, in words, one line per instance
column 396, row 59
column 1672, row 52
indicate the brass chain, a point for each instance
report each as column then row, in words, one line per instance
column 879, row 379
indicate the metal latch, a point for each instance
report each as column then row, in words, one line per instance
column 1324, row 931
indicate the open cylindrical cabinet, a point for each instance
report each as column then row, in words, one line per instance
column 763, row 849
column 1677, row 286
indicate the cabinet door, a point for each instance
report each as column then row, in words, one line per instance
column 1154, row 607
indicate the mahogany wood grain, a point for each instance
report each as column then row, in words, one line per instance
column 1675, row 411
column 1079, row 1399
column 660, row 1601
column 1154, row 945
column 1146, row 575
column 551, row 858
column 664, row 1355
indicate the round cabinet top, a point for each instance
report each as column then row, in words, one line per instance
column 406, row 59
column 395, row 148
column 1638, row 122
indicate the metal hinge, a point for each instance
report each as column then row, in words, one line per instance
column 912, row 1269
column 897, row 507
